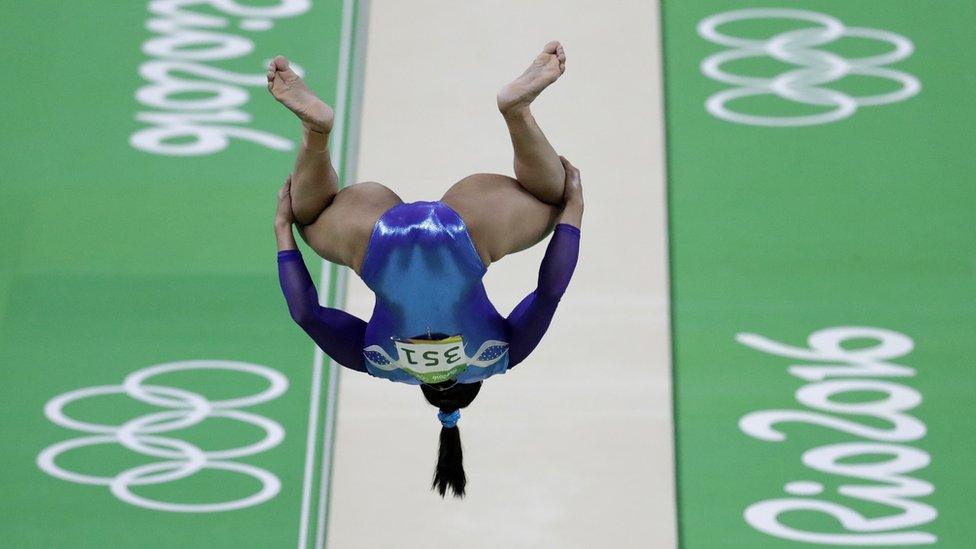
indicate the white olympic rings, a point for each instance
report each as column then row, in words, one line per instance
column 178, row 459
column 816, row 67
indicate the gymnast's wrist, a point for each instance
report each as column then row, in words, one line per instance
column 289, row 253
column 286, row 240
column 285, row 247
column 572, row 213
column 568, row 227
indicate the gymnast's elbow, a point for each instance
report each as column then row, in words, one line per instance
column 551, row 293
column 303, row 316
column 352, row 364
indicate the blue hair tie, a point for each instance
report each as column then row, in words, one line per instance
column 449, row 420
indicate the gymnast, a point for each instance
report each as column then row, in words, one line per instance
column 433, row 324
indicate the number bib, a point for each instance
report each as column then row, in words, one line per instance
column 432, row 360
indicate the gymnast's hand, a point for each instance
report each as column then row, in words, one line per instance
column 284, row 218
column 572, row 196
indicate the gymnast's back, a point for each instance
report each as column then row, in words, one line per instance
column 432, row 321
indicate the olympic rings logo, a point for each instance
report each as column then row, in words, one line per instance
column 178, row 459
column 817, row 67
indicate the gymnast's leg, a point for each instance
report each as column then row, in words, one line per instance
column 335, row 223
column 537, row 166
column 314, row 182
column 506, row 215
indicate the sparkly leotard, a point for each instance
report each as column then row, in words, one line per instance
column 426, row 274
column 432, row 320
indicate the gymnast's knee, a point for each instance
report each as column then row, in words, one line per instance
column 365, row 192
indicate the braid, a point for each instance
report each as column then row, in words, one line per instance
column 449, row 472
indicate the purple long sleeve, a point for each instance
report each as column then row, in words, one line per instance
column 530, row 319
column 336, row 332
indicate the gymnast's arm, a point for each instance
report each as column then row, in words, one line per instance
column 530, row 319
column 338, row 333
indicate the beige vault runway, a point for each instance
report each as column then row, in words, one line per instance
column 573, row 448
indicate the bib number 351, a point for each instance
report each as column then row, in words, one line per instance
column 432, row 361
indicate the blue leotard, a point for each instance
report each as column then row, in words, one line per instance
column 427, row 276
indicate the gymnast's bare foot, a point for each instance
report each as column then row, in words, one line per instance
column 544, row 70
column 291, row 91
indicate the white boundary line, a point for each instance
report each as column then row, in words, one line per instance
column 313, row 417
column 336, row 152
column 327, row 441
